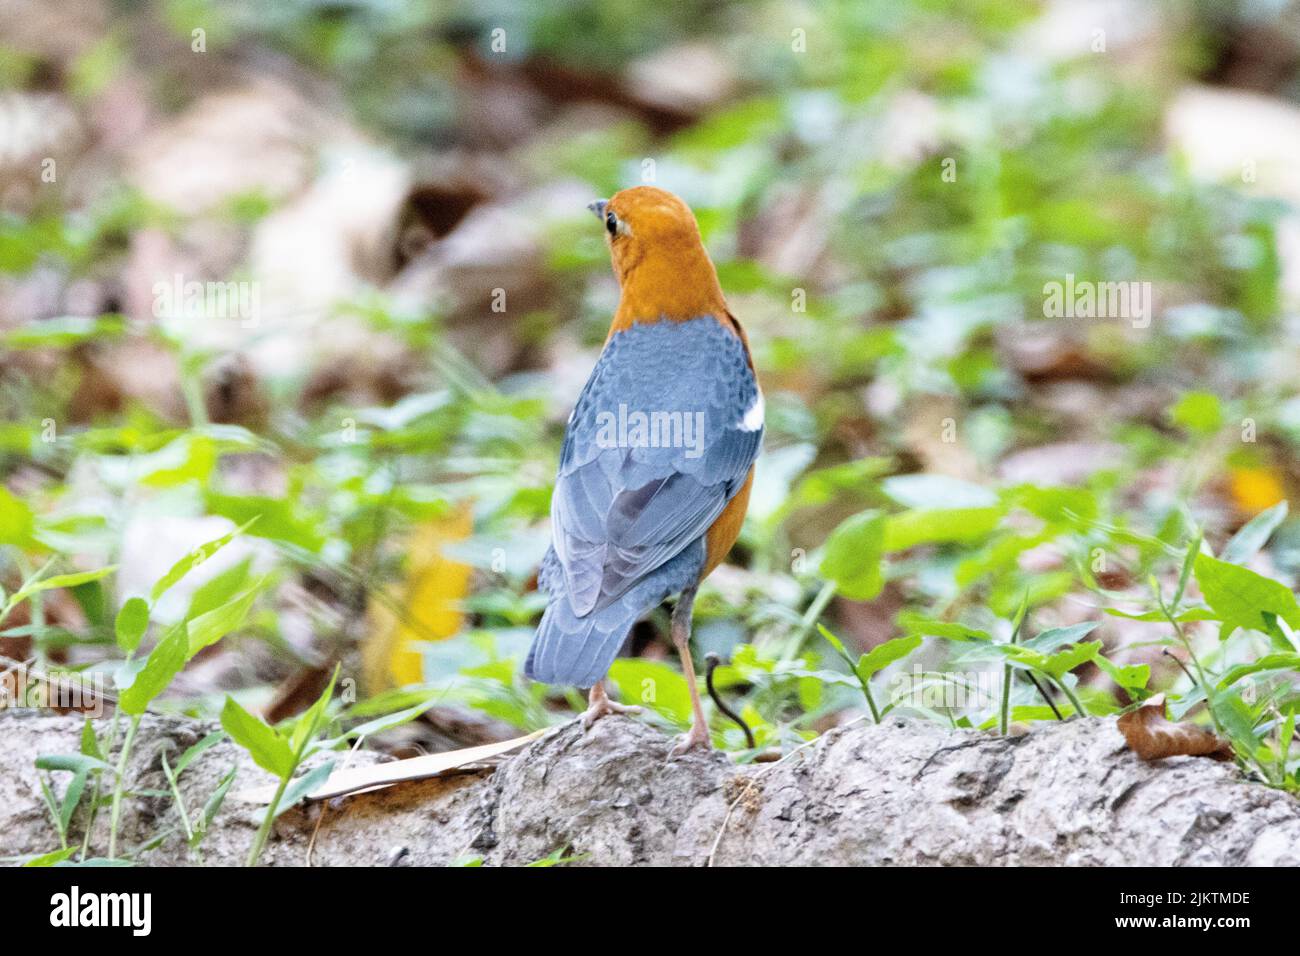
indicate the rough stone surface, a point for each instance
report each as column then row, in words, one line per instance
column 899, row 793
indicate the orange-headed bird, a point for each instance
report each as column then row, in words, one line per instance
column 658, row 456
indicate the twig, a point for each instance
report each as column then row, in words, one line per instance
column 1181, row 666
column 712, row 661
column 1043, row 693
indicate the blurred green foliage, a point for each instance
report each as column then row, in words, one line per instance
column 1055, row 169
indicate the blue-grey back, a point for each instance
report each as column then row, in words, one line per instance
column 662, row 437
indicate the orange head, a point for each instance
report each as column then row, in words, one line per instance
column 659, row 258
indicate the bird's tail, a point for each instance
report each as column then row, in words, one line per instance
column 573, row 650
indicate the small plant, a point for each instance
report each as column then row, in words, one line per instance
column 281, row 753
column 195, row 828
column 213, row 613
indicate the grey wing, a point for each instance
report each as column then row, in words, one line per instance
column 624, row 503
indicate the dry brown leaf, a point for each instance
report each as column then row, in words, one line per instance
column 384, row 774
column 1152, row 737
column 298, row 692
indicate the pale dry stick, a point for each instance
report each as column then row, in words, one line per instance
column 12, row 664
column 751, row 782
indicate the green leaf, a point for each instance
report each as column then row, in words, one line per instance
column 59, row 581
column 835, row 642
column 51, row 859
column 559, row 857
column 207, row 629
column 1198, row 412
column 72, row 797
column 269, row 750
column 860, row 672
column 1062, row 662
column 1049, row 640
column 1191, row 614
column 853, row 554
column 16, row 520
column 381, row 724
column 915, row 623
column 279, row 519
column 90, row 742
column 1131, row 677
column 1254, row 534
column 1055, row 505
column 223, row 587
column 164, row 663
column 1236, row 717
column 304, row 785
column 827, row 484
column 1286, row 735
column 1018, row 619
column 1189, row 562
column 939, row 526
column 881, row 656
column 96, row 861
column 194, row 558
column 1269, row 662
column 1241, row 597
column 77, row 763
column 63, row 331
column 213, row 804
column 189, row 458
column 132, row 621
column 653, row 684
column 193, row 751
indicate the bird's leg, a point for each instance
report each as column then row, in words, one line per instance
column 698, row 735
column 599, row 705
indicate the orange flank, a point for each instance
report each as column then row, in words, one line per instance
column 722, row 534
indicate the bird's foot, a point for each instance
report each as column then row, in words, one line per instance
column 603, row 707
column 697, row 738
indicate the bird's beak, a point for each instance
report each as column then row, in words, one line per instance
column 598, row 208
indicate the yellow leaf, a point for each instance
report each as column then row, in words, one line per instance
column 431, row 598
column 1255, row 489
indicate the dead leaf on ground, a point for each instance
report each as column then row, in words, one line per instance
column 356, row 779
column 1152, row 737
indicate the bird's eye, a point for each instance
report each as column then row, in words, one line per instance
column 611, row 223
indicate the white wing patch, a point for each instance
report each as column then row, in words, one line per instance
column 753, row 419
